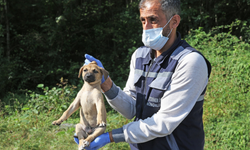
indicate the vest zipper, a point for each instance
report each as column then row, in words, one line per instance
column 144, row 88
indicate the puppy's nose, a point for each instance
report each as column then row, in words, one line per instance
column 89, row 77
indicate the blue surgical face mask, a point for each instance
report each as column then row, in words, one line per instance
column 154, row 39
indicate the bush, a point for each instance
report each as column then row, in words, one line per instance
column 55, row 100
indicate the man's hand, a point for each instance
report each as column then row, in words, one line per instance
column 99, row 142
column 89, row 59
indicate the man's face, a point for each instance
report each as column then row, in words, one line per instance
column 152, row 16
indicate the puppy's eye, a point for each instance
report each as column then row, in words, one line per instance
column 95, row 71
column 85, row 70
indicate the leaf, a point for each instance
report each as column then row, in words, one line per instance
column 25, row 108
column 40, row 85
column 35, row 111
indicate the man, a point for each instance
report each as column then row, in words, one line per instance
column 165, row 89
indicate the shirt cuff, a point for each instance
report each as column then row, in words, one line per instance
column 112, row 92
column 118, row 135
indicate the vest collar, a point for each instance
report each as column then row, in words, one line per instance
column 160, row 59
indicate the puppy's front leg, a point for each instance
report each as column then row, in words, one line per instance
column 101, row 113
column 72, row 108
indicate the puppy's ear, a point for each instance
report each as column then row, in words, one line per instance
column 80, row 71
column 105, row 73
column 93, row 62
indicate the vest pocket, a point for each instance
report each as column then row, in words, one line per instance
column 162, row 81
column 159, row 86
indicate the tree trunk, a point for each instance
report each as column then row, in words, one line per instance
column 7, row 30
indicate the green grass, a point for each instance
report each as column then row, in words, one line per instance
column 34, row 131
column 25, row 122
column 29, row 125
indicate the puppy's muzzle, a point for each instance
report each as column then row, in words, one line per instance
column 89, row 77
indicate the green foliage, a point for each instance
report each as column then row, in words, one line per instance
column 209, row 14
column 13, row 105
column 226, row 108
column 227, row 104
column 48, row 42
column 27, row 130
column 55, row 100
column 32, row 131
column 50, row 38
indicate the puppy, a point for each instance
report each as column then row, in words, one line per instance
column 90, row 99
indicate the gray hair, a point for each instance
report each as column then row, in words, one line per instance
column 169, row 7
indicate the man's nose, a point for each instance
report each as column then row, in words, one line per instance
column 147, row 25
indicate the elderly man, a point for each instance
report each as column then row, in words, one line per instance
column 165, row 88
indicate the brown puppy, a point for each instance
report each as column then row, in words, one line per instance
column 90, row 99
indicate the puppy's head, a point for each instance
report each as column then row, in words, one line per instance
column 92, row 73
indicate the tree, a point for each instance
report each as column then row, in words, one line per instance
column 42, row 41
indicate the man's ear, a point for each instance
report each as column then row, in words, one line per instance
column 176, row 21
column 105, row 73
column 80, row 71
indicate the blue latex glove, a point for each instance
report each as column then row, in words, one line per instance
column 99, row 142
column 90, row 58
column 76, row 139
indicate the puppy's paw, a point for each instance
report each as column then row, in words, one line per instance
column 85, row 143
column 81, row 147
column 102, row 124
column 57, row 122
